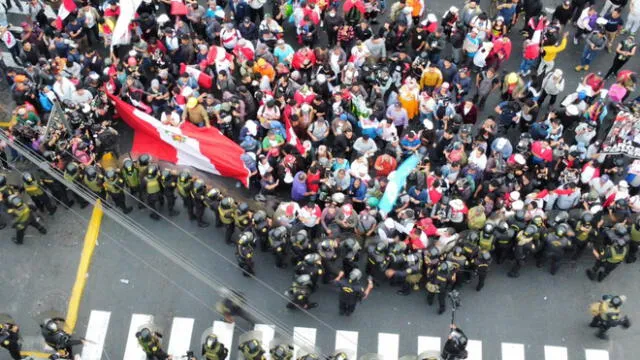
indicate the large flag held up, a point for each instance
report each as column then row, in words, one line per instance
column 121, row 33
column 205, row 149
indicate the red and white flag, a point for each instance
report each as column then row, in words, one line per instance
column 205, row 149
column 292, row 138
column 204, row 80
column 121, row 33
column 65, row 9
column 178, row 8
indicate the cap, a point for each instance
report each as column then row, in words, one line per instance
column 192, row 103
column 572, row 110
column 512, row 78
column 623, row 183
column 280, row 41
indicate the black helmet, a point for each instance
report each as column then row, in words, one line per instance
column 488, row 228
column 253, row 345
column 503, row 226
column 246, row 238
column 433, row 253
column 412, row 259
column 144, row 159
column 616, row 301
column 303, row 280
column 621, row 241
column 260, row 216
column 227, row 203
column 198, row 186
column 341, row 355
column 520, row 215
column 279, row 232
column 49, row 155
column 311, row 259
column 457, row 251
column 587, row 217
column 355, row 275
column 561, row 217
column 381, row 247
column 15, row 201
column 472, row 238
column 243, row 207
column 443, row 266
column 620, row 229
column 110, row 174
column 3, row 180
column 71, row 168
column 152, row 170
column 327, row 245
column 90, row 172
column 537, row 221
column 144, row 334
column 530, row 230
column 184, row 175
column 398, row 248
column 165, row 173
column 211, row 341
column 279, row 352
column 127, row 164
column 27, row 177
column 301, row 236
column 562, row 230
column 51, row 325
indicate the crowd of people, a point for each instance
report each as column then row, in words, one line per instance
column 328, row 100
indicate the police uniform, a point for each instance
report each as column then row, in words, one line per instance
column 168, row 179
column 214, row 351
column 57, row 338
column 608, row 259
column 554, row 249
column 23, row 217
column 311, row 265
column 114, row 186
column 183, row 186
column 35, row 190
column 523, row 247
column 132, row 178
column 151, row 346
column 606, row 314
column 260, row 225
column 278, row 243
column 252, row 350
column 226, row 215
column 300, row 246
column 153, row 191
column 9, row 339
column 281, row 352
column 350, row 294
column 634, row 244
column 72, row 174
column 481, row 264
column 199, row 200
column 245, row 253
column 6, row 190
column 377, row 261
column 56, row 188
column 300, row 293
column 438, row 283
column 584, row 232
column 94, row 182
column 241, row 221
column 504, row 243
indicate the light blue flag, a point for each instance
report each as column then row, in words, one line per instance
column 396, row 183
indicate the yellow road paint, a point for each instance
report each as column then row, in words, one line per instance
column 35, row 354
column 90, row 240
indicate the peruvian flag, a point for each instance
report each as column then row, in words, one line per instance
column 178, row 8
column 218, row 54
column 204, row 80
column 66, row 8
column 292, row 138
column 205, row 149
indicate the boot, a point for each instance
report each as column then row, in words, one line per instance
column 312, row 305
column 591, row 275
column 127, row 210
column 602, row 334
column 203, row 224
column 595, row 322
column 601, row 276
column 53, row 210
column 154, row 216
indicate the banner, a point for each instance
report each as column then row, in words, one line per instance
column 397, row 180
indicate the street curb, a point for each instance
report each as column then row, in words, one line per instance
column 90, row 240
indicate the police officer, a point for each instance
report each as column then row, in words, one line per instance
column 6, row 190
column 73, row 173
column 606, row 314
column 199, row 200
column 149, row 341
column 153, row 190
column 456, row 345
column 300, row 246
column 35, row 190
column 350, row 253
column 232, row 305
column 212, row 349
column 23, row 217
column 94, row 181
column 523, row 247
column 132, row 178
column 252, row 350
column 410, row 276
column 214, row 197
column 57, row 338
column 556, row 243
column 143, row 163
column 300, row 293
column 328, row 251
column 169, row 179
column 184, row 184
column 241, row 220
column 634, row 244
column 225, row 214
column 10, row 339
column 439, row 284
column 245, row 253
column 311, row 265
column 504, row 241
column 481, row 264
column 260, row 225
column 281, row 352
column 114, row 186
column 377, row 260
column 351, row 291
column 487, row 237
column 517, row 221
column 612, row 254
column 584, row 231
column 278, row 243
column 57, row 189
column 460, row 265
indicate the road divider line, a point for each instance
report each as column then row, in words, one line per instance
column 90, row 240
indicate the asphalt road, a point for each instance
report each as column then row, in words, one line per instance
column 130, row 277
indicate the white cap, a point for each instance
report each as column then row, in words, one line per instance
column 519, row 159
column 623, row 183
column 431, row 17
column 572, row 110
column 517, row 205
column 389, row 223
column 514, row 195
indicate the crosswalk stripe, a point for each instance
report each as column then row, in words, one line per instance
column 428, row 343
column 133, row 351
column 180, row 338
column 224, row 332
column 347, row 340
column 268, row 332
column 388, row 346
column 303, row 337
column 474, row 348
column 96, row 333
column 555, row 353
column 511, row 351
column 594, row 354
